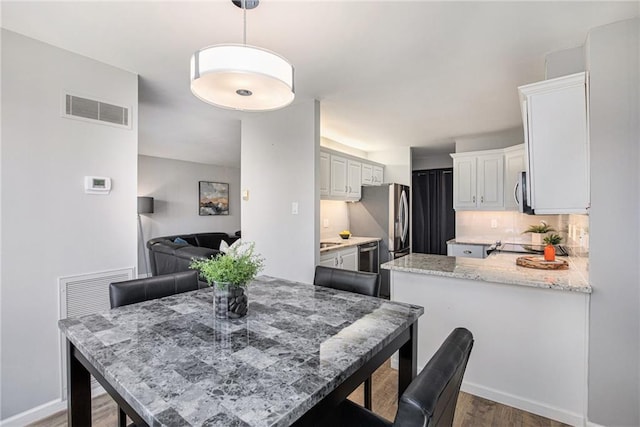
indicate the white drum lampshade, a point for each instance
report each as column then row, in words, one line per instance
column 242, row 77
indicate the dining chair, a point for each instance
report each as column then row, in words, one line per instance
column 359, row 282
column 430, row 400
column 149, row 288
column 351, row 281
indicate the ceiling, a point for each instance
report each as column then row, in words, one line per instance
column 387, row 74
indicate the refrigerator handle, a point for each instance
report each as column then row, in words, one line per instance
column 404, row 215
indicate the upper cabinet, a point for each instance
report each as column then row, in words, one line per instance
column 325, row 174
column 378, row 175
column 554, row 114
column 486, row 180
column 338, row 177
column 514, row 164
column 354, row 181
column 367, row 174
column 478, row 180
column 342, row 176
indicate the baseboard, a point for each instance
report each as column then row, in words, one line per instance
column 528, row 405
column 34, row 414
column 590, row 424
column 43, row 411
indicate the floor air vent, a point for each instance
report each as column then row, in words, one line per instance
column 76, row 107
column 86, row 294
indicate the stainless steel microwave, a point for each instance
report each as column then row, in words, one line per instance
column 522, row 198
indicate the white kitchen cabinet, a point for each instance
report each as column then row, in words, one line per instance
column 478, row 181
column 554, row 114
column 490, row 181
column 378, row 175
column 325, row 174
column 354, row 179
column 342, row 175
column 367, row 174
column 514, row 164
column 346, row 258
column 372, row 174
column 467, row 250
column 338, row 176
column 464, row 182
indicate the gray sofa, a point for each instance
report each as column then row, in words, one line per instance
column 172, row 254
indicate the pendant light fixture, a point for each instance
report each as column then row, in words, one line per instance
column 242, row 77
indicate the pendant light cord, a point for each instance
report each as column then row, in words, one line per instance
column 244, row 10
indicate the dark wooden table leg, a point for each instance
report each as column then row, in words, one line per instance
column 367, row 392
column 78, row 391
column 408, row 360
column 122, row 418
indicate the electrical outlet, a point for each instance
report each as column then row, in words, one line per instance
column 325, row 222
column 494, row 223
column 294, row 208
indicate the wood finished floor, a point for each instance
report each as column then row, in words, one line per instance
column 471, row 411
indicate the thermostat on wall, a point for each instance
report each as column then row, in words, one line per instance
column 97, row 185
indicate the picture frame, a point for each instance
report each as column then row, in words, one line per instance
column 213, row 198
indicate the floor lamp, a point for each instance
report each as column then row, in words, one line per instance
column 145, row 206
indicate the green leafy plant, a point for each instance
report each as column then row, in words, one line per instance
column 540, row 229
column 552, row 239
column 237, row 266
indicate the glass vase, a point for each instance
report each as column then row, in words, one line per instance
column 230, row 301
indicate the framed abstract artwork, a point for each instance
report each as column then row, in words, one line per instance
column 213, row 198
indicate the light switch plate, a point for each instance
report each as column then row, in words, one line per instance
column 294, row 208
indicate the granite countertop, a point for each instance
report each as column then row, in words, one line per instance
column 176, row 364
column 345, row 243
column 497, row 268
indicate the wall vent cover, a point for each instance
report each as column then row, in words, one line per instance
column 97, row 111
column 82, row 295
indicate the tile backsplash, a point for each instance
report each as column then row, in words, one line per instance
column 334, row 217
column 508, row 227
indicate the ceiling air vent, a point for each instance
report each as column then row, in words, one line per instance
column 76, row 107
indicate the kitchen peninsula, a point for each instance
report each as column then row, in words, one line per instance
column 531, row 326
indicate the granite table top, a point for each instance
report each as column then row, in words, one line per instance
column 496, row 268
column 177, row 365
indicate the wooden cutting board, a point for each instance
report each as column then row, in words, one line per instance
column 540, row 263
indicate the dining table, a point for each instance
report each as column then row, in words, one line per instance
column 300, row 351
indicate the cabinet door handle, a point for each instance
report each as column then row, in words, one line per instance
column 346, row 189
column 341, row 260
column 335, row 262
column 467, row 252
column 481, row 199
column 474, row 199
column 515, row 193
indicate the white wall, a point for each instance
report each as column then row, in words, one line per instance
column 488, row 141
column 174, row 186
column 614, row 342
column 279, row 166
column 50, row 227
column 436, row 161
column 397, row 164
column 530, row 343
column 335, row 145
column 564, row 62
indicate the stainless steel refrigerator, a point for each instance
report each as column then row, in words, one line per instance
column 383, row 211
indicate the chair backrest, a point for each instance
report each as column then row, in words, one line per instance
column 430, row 399
column 138, row 290
column 346, row 280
